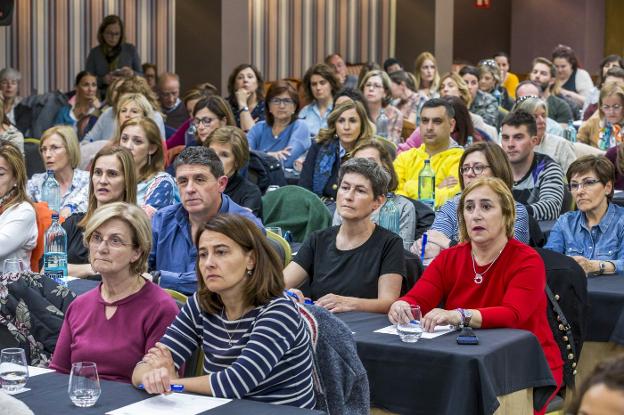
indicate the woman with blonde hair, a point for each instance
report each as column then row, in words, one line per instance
column 376, row 87
column 604, row 129
column 156, row 188
column 61, row 153
column 427, row 79
column 347, row 125
column 18, row 221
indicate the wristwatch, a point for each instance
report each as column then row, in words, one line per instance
column 243, row 109
column 602, row 266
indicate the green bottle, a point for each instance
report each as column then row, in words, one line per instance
column 426, row 185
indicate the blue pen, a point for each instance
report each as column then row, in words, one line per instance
column 174, row 387
column 293, row 295
column 422, row 250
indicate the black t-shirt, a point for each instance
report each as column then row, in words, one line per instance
column 77, row 252
column 353, row 272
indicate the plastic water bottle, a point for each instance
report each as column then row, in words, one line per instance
column 426, row 185
column 570, row 132
column 55, row 251
column 51, row 192
column 605, row 140
column 382, row 124
column 389, row 215
column 469, row 141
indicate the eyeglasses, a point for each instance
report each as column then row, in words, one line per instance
column 575, row 187
column 477, row 169
column 206, row 121
column 607, row 108
column 280, row 101
column 113, row 242
column 53, row 149
column 373, row 85
column 112, row 34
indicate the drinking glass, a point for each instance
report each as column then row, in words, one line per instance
column 13, row 265
column 84, row 384
column 409, row 329
column 275, row 229
column 13, row 369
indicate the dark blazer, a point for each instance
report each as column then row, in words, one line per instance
column 97, row 65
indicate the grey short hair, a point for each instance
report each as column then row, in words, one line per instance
column 203, row 156
column 530, row 105
column 10, row 74
column 377, row 175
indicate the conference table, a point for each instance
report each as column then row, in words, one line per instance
column 48, row 396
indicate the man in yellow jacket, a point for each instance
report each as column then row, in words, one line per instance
column 436, row 124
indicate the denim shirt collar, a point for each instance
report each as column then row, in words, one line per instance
column 604, row 223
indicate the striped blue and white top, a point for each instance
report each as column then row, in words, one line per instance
column 270, row 359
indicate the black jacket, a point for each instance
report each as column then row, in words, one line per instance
column 245, row 193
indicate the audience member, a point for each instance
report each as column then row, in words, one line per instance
column 602, row 392
column 544, row 73
column 410, row 224
column 112, row 57
column 201, row 181
column 255, row 343
column 388, row 120
column 336, row 62
column 246, row 89
column 489, row 280
column 437, row 124
column 8, row 132
column 426, row 79
column 357, row 266
column 531, row 89
column 616, row 156
column 18, row 222
column 490, row 82
column 391, row 65
column 231, row 146
column 347, row 126
column 118, row 237
column 156, row 189
column 478, row 160
column 61, row 154
column 209, row 114
column 538, row 179
column 365, row 69
column 616, row 75
column 611, row 61
column 320, row 85
column 554, row 146
column 575, row 82
column 112, row 179
column 9, row 87
column 281, row 135
column 604, row 130
column 186, row 132
column 403, row 90
column 170, row 102
column 83, row 103
column 150, row 73
column 482, row 103
column 593, row 235
column 509, row 81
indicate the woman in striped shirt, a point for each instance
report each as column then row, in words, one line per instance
column 254, row 341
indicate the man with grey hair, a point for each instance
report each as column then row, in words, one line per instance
column 201, row 182
column 169, row 96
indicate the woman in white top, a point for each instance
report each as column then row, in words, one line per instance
column 575, row 82
column 18, row 222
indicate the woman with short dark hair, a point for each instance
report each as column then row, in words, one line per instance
column 575, row 82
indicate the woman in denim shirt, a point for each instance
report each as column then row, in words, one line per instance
column 594, row 234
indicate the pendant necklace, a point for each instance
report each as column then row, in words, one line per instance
column 478, row 278
column 226, row 330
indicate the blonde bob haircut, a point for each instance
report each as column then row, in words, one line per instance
column 155, row 161
column 138, row 222
column 608, row 90
column 325, row 135
column 237, row 140
column 70, row 139
column 507, row 203
column 464, row 92
column 139, row 100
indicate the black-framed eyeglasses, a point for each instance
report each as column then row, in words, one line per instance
column 206, row 121
column 477, row 169
column 280, row 101
column 575, row 187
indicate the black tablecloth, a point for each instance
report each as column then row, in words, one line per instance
column 81, row 286
column 438, row 376
column 48, row 396
column 606, row 308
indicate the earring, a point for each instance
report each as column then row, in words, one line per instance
column 249, row 272
column 149, row 159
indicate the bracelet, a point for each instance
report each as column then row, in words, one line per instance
column 462, row 316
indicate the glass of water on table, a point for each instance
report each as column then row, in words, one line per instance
column 409, row 328
column 13, row 369
column 84, row 384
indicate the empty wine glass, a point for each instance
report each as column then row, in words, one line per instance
column 13, row 369
column 13, row 265
column 84, row 384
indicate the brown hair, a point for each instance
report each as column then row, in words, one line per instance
column 266, row 280
column 232, row 81
column 384, row 156
column 15, row 160
column 602, row 166
column 567, row 53
column 609, row 373
column 327, row 134
column 137, row 85
column 130, row 183
column 496, row 159
column 277, row 88
column 236, row 138
column 325, row 72
column 464, row 92
column 152, row 135
column 216, row 105
column 508, row 205
column 107, row 21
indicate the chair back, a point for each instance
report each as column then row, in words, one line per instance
column 173, row 152
column 34, row 162
column 408, row 129
column 178, row 297
column 281, row 246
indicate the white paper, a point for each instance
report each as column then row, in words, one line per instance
column 35, row 371
column 437, row 331
column 175, row 403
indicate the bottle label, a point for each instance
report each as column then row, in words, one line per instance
column 56, row 274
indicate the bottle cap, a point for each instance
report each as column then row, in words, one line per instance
column 55, row 215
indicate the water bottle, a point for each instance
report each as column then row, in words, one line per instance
column 605, row 138
column 389, row 215
column 469, row 141
column 51, row 192
column 570, row 132
column 382, row 124
column 55, row 251
column 426, row 185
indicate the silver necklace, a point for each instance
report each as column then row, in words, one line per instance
column 478, row 278
column 226, row 330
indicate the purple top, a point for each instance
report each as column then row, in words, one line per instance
column 619, row 179
column 115, row 345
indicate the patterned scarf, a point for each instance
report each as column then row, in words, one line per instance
column 8, row 196
column 324, row 165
